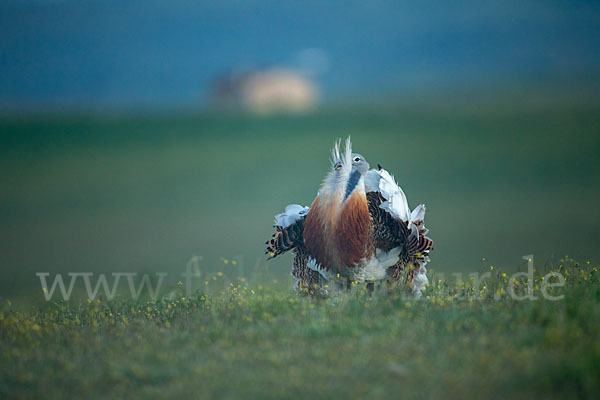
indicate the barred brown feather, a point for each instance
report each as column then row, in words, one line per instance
column 388, row 232
column 286, row 239
column 307, row 280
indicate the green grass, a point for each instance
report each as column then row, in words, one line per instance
column 256, row 340
column 144, row 193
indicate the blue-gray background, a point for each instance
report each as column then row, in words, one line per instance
column 85, row 53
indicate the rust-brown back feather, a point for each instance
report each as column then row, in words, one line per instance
column 353, row 230
column 315, row 240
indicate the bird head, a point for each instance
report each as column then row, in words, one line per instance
column 359, row 164
column 359, row 167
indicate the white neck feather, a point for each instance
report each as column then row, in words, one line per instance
column 335, row 181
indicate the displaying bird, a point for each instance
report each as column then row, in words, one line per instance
column 359, row 228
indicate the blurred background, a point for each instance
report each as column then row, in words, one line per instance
column 134, row 135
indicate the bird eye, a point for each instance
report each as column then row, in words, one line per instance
column 356, row 159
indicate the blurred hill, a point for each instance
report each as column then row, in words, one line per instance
column 265, row 91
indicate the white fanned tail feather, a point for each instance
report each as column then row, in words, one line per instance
column 292, row 213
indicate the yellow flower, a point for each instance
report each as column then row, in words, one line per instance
column 504, row 274
column 491, row 267
column 179, row 283
column 233, row 262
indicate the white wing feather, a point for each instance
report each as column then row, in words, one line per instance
column 418, row 214
column 292, row 213
column 396, row 204
column 420, row 281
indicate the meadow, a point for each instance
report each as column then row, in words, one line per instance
column 144, row 193
column 251, row 340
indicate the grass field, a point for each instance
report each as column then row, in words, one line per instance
column 262, row 341
column 144, row 193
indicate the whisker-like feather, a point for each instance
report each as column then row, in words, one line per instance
column 335, row 152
